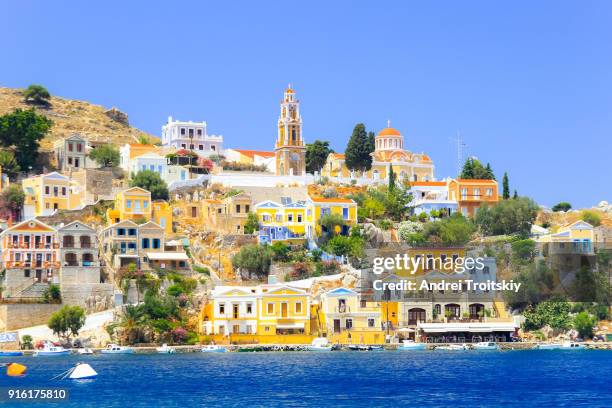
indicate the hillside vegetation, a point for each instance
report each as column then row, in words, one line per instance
column 71, row 116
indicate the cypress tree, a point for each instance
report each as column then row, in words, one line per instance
column 515, row 196
column 391, row 178
column 506, row 187
column 468, row 170
column 357, row 154
column 489, row 171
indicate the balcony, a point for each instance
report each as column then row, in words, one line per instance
column 30, row 245
column 31, row 265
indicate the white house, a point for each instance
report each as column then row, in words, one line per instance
column 191, row 136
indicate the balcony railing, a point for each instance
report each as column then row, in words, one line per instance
column 30, row 264
column 31, row 245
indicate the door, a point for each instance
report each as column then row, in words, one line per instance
column 336, row 325
column 38, row 275
column 283, row 309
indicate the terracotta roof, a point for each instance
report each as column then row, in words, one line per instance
column 389, row 132
column 428, row 183
column 213, row 201
column 253, row 153
column 331, row 200
column 477, row 181
column 338, row 155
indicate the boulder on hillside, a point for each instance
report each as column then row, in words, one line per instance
column 117, row 115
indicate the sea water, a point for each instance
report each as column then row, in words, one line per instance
column 392, row 378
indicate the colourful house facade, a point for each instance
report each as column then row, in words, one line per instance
column 47, row 193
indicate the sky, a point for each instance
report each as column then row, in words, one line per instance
column 527, row 85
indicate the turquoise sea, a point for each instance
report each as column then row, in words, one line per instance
column 368, row 379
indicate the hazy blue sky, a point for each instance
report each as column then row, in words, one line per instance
column 528, row 84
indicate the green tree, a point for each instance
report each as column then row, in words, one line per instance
column 473, row 169
column 554, row 313
column 391, row 186
column 507, row 217
column 396, row 202
column 357, row 153
column 591, row 217
column 37, row 95
column 252, row 223
column 67, row 321
column 515, row 195
column 105, row 155
column 255, row 259
column 562, row 206
column 11, row 201
column 52, row 294
column 151, row 181
column 456, row 230
column 280, row 251
column 144, row 139
column 316, row 155
column 331, row 222
column 583, row 323
column 373, row 208
column 8, row 163
column 22, row 130
column 505, row 187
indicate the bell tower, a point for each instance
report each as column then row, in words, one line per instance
column 290, row 150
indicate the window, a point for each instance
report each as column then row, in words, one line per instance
column 371, row 322
column 55, row 191
column 128, row 203
column 191, row 147
column 298, row 307
column 270, row 308
column 247, row 208
column 299, row 218
column 200, row 134
column 70, row 160
column 156, row 243
column 249, row 308
column 237, row 208
column 159, row 168
column 183, row 145
column 221, row 308
column 132, row 232
column 145, row 243
column 152, row 167
column 182, row 131
column 63, row 191
column 489, row 192
column 477, row 193
column 201, row 147
column 121, row 231
column 137, row 205
column 190, row 132
column 47, row 190
column 266, row 217
column 145, row 204
column 70, row 147
column 349, row 324
column 79, row 147
column 290, row 217
column 464, row 192
column 26, row 273
column 279, row 217
column 345, row 213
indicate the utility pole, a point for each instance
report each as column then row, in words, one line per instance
column 460, row 146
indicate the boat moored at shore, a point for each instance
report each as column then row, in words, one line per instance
column 115, row 349
column 410, row 345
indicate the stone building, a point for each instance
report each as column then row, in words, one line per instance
column 290, row 149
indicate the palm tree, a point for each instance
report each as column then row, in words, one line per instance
column 132, row 322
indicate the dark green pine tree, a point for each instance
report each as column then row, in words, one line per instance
column 515, row 196
column 490, row 174
column 505, row 187
column 467, row 172
column 357, row 153
column 371, row 142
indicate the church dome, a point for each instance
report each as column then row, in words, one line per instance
column 388, row 131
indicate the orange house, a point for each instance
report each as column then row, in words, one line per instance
column 471, row 194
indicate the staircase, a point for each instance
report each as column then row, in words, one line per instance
column 36, row 290
column 500, row 309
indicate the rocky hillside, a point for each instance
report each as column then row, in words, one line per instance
column 72, row 116
column 557, row 219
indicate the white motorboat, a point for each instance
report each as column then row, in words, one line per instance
column 548, row 346
column 115, row 349
column 572, row 345
column 164, row 349
column 213, row 348
column 50, row 350
column 319, row 344
column 410, row 345
column 453, row 347
column 85, row 351
column 486, row 345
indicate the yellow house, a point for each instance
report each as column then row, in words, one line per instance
column 289, row 221
column 135, row 204
column 271, row 313
column 227, row 215
column 577, row 236
column 345, row 318
column 344, row 207
column 46, row 193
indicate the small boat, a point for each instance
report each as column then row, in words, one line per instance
column 548, row 346
column 85, row 351
column 115, row 349
column 51, row 350
column 213, row 348
column 571, row 345
column 164, row 349
column 81, row 371
column 319, row 344
column 11, row 353
column 410, row 345
column 453, row 347
column 486, row 345
column 359, row 347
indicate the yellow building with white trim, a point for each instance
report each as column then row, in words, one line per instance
column 135, row 204
column 47, row 193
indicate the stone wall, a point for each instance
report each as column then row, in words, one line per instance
column 20, row 315
column 93, row 297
